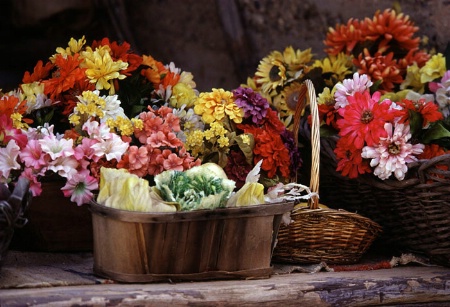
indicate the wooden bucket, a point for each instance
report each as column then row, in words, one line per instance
column 228, row 243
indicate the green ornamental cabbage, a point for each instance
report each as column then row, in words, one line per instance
column 201, row 187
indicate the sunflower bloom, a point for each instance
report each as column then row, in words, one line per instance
column 271, row 72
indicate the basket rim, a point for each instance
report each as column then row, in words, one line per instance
column 265, row 209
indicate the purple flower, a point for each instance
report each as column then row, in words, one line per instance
column 296, row 161
column 254, row 105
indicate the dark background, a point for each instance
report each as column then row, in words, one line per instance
column 219, row 41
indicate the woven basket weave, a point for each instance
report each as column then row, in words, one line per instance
column 414, row 212
column 321, row 234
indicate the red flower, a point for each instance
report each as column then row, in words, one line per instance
column 271, row 149
column 237, row 168
column 350, row 162
column 363, row 119
column 428, row 110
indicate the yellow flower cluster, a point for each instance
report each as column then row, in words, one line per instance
column 124, row 125
column 215, row 135
column 90, row 105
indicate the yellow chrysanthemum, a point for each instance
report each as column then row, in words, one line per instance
column 90, row 105
column 412, row 79
column 183, row 94
column 395, row 96
column 337, row 67
column 214, row 106
column 30, row 93
column 74, row 47
column 297, row 60
column 433, row 69
column 17, row 121
column 271, row 72
column 101, row 68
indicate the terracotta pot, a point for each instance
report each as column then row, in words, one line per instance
column 55, row 224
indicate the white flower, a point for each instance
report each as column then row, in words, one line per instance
column 393, row 152
column 443, row 97
column 112, row 108
column 8, row 159
column 349, row 87
column 55, row 147
column 112, row 148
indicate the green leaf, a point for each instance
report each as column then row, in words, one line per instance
column 415, row 122
column 436, row 132
column 247, row 149
column 327, row 131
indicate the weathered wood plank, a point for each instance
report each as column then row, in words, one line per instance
column 403, row 285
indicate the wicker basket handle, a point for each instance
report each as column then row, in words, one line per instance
column 308, row 93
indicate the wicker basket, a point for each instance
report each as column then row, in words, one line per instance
column 414, row 212
column 319, row 234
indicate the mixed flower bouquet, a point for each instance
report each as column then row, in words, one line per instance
column 102, row 106
column 386, row 98
column 91, row 106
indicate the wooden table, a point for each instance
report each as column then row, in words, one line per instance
column 52, row 279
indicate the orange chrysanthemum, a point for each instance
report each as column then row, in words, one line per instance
column 11, row 104
column 343, row 38
column 67, row 74
column 380, row 67
column 393, row 30
column 40, row 72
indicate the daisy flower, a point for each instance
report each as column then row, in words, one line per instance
column 393, row 152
